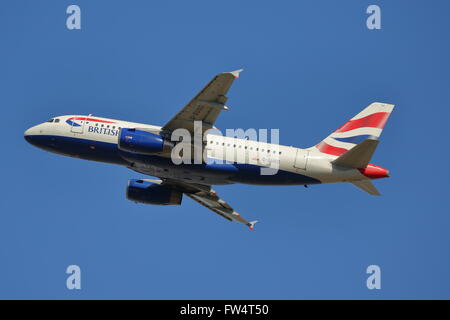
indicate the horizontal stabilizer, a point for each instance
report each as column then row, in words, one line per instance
column 359, row 156
column 367, row 186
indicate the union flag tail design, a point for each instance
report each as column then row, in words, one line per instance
column 369, row 123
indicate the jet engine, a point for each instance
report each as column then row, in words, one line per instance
column 143, row 142
column 147, row 192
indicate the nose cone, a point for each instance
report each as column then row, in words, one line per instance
column 27, row 133
column 31, row 134
column 374, row 172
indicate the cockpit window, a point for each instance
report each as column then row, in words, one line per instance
column 56, row 120
column 51, row 120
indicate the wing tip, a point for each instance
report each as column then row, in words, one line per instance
column 251, row 224
column 236, row 73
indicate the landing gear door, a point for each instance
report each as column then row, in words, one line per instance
column 77, row 124
column 301, row 159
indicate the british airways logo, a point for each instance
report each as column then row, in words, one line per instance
column 75, row 122
column 72, row 123
column 107, row 131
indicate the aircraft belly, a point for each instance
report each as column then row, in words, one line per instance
column 80, row 148
column 210, row 174
column 214, row 174
column 253, row 174
column 182, row 173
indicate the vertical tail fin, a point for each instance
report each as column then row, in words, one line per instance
column 369, row 123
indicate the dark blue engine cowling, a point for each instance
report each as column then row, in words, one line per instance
column 139, row 141
column 152, row 193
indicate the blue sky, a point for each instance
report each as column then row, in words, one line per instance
column 309, row 67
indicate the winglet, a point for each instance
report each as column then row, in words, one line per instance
column 251, row 224
column 236, row 73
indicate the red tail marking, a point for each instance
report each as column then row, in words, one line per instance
column 326, row 148
column 376, row 120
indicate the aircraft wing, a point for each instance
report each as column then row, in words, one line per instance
column 208, row 198
column 205, row 106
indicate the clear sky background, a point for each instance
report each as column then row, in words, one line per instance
column 309, row 67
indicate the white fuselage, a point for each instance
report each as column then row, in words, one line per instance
column 95, row 138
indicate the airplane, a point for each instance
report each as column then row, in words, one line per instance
column 343, row 156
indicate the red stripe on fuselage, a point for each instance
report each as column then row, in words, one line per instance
column 89, row 119
column 326, row 148
column 376, row 120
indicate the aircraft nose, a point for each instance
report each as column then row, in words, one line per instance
column 30, row 134
column 27, row 135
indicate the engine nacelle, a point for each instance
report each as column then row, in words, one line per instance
column 152, row 193
column 143, row 142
